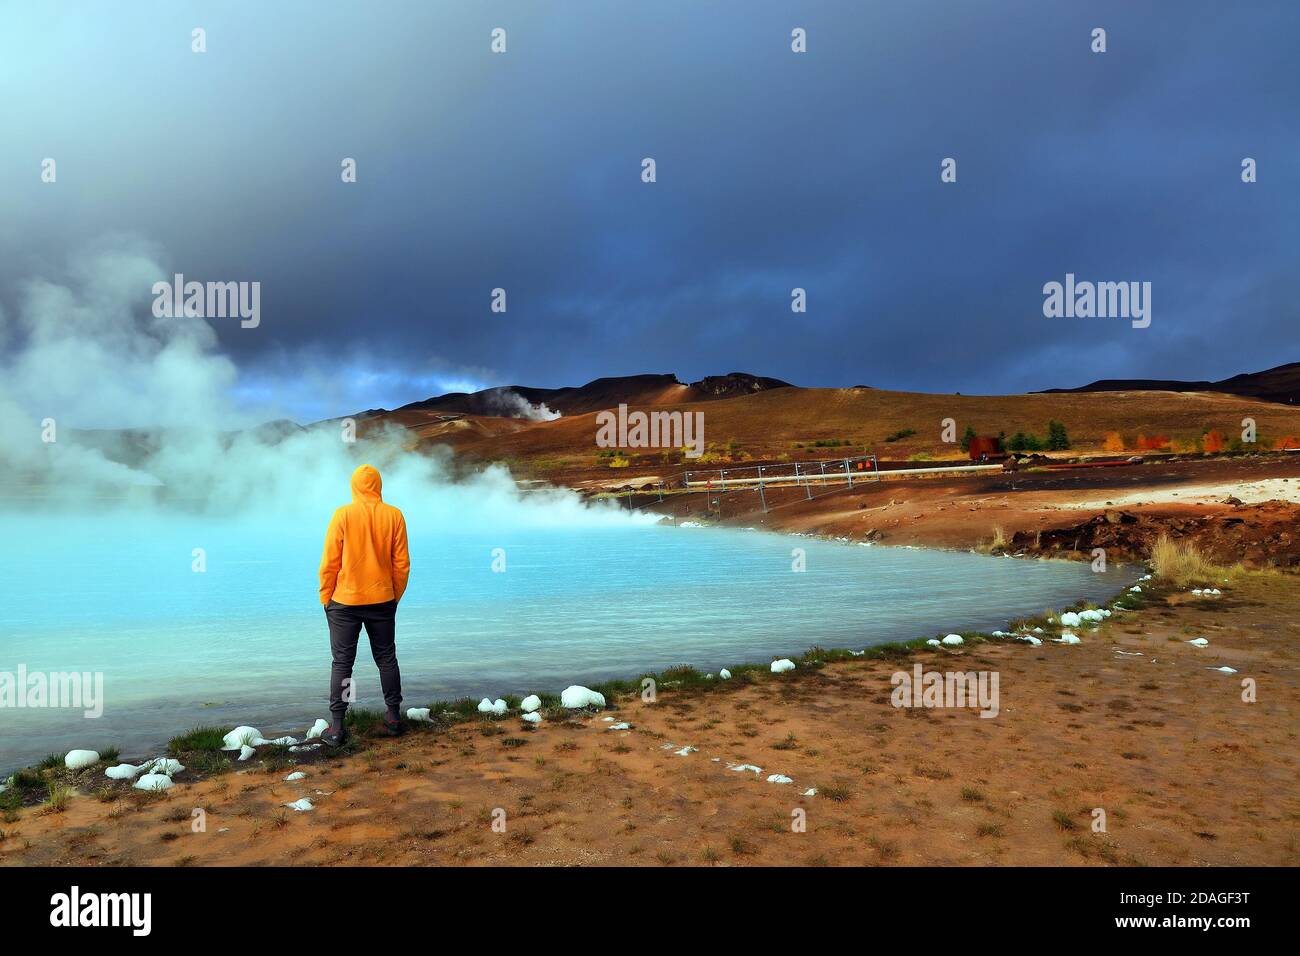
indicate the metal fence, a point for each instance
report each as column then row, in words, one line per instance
column 814, row 477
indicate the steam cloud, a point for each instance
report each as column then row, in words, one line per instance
column 511, row 404
column 87, row 352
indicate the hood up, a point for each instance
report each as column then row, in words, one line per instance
column 366, row 484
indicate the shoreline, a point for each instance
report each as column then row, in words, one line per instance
column 280, row 728
column 573, row 781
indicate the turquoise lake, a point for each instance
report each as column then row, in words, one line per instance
column 245, row 641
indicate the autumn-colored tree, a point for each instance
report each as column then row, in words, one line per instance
column 1114, row 442
column 1152, row 443
column 1290, row 441
column 1212, row 441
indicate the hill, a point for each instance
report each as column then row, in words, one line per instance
column 1280, row 384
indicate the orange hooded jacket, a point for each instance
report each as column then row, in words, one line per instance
column 365, row 559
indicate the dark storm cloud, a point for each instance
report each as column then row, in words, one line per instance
column 775, row 170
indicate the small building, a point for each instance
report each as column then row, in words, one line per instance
column 984, row 449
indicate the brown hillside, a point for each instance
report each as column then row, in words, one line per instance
column 601, row 393
column 786, row 423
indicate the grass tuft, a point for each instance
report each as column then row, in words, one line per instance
column 1181, row 564
column 197, row 739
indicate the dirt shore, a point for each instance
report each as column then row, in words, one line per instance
column 1133, row 504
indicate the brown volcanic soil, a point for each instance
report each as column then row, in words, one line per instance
column 1034, row 510
column 1186, row 771
column 770, row 425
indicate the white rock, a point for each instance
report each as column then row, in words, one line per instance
column 533, row 718
column 810, row 792
column 154, row 781
column 1069, row 639
column 1070, row 619
column 497, row 706
column 1136, row 589
column 779, row 778
column 530, row 703
column 123, row 771
column 685, row 751
column 619, row 726
column 240, row 737
column 933, row 642
column 575, row 695
column 278, row 741
column 245, row 752
column 418, row 714
column 294, row 750
column 1031, row 639
column 724, row 674
column 952, row 640
column 299, row 775
column 746, row 766
column 301, row 806
column 783, row 665
column 1198, row 642
column 76, row 759
column 318, row 728
column 163, row 765
column 1224, row 670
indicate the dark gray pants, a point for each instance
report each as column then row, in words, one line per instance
column 345, row 621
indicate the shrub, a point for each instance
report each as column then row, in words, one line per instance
column 1022, row 442
column 1180, row 563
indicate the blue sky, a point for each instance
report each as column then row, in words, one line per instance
column 775, row 170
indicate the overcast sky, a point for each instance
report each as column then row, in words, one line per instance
column 775, row 170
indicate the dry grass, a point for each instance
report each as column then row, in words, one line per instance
column 1181, row 564
column 999, row 542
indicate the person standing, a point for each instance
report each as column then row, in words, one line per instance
column 363, row 573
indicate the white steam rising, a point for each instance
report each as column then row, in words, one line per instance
column 511, row 404
column 86, row 352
